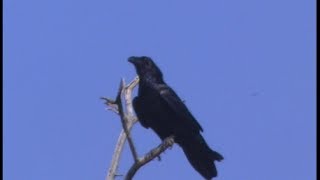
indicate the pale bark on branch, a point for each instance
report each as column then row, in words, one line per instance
column 128, row 119
column 168, row 142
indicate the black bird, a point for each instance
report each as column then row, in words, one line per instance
column 158, row 107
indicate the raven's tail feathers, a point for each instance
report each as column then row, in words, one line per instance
column 200, row 156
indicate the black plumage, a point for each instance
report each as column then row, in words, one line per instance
column 158, row 107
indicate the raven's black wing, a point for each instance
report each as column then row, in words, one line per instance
column 140, row 111
column 177, row 106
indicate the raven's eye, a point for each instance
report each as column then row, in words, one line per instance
column 147, row 62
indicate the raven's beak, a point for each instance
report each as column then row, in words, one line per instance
column 133, row 60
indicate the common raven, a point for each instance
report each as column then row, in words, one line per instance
column 158, row 107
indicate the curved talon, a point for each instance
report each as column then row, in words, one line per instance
column 169, row 140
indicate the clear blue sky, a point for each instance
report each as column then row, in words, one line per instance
column 245, row 68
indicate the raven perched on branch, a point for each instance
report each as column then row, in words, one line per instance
column 158, row 107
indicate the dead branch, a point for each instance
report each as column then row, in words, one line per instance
column 128, row 119
column 125, row 118
column 168, row 142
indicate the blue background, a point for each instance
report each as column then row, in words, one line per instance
column 245, row 68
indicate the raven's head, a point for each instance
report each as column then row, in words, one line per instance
column 146, row 68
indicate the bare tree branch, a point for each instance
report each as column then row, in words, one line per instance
column 168, row 142
column 127, row 120
column 128, row 95
column 116, row 156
